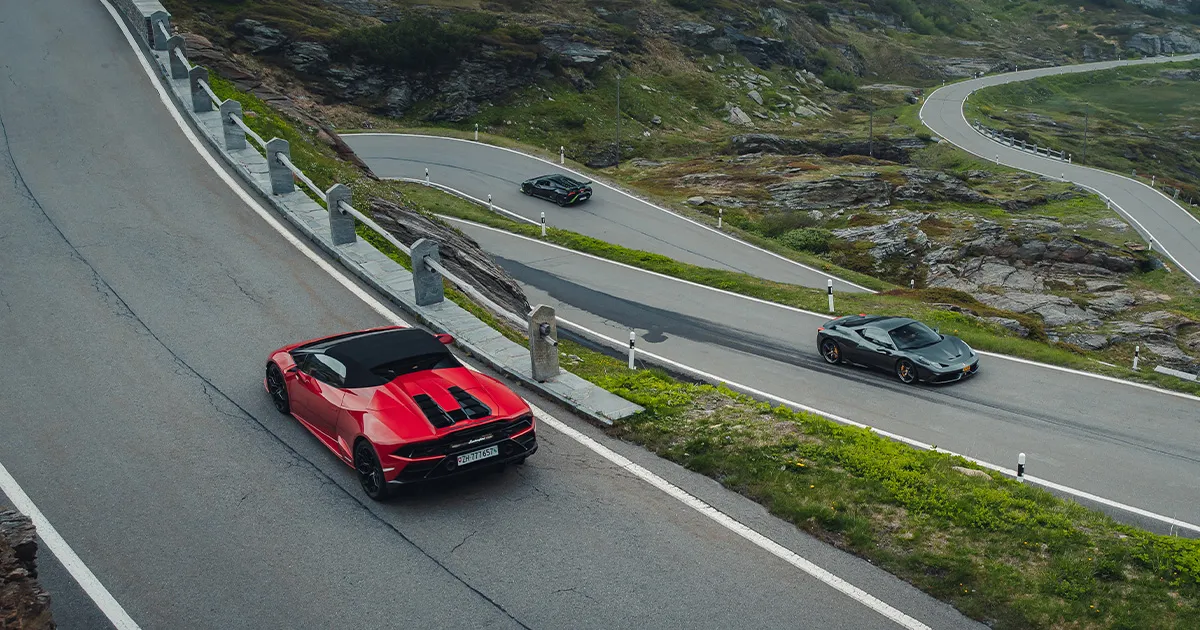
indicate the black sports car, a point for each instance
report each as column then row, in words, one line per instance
column 906, row 347
column 557, row 188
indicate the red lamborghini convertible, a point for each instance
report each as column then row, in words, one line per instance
column 398, row 407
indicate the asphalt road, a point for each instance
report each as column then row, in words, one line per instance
column 139, row 298
column 1173, row 229
column 1121, row 442
column 610, row 215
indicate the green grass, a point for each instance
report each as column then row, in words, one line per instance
column 1136, row 119
column 902, row 302
column 1002, row 552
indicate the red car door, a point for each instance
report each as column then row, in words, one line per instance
column 318, row 394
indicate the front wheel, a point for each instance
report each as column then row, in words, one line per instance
column 906, row 371
column 277, row 388
column 370, row 472
column 831, row 351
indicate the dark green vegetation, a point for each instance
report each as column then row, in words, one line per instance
column 1136, row 118
column 1002, row 552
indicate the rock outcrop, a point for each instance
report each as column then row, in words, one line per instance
column 1174, row 42
column 834, row 192
column 24, row 604
column 894, row 150
column 460, row 253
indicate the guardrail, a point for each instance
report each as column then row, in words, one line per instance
column 427, row 269
column 1009, row 140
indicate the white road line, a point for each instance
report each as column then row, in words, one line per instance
column 65, row 554
column 823, row 316
column 724, row 520
column 758, row 393
column 627, row 194
column 1067, row 166
column 841, row 419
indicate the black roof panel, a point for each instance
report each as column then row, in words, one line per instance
column 373, row 349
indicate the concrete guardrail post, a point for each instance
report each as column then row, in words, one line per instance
column 542, row 353
column 427, row 283
column 341, row 222
column 282, row 181
column 235, row 138
column 155, row 37
column 178, row 70
column 200, row 100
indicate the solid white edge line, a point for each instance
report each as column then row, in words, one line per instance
column 894, row 436
column 87, row 580
column 962, row 113
column 722, row 519
column 627, row 194
column 825, row 316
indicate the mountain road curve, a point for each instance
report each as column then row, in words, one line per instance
column 1128, row 444
column 1174, row 230
column 610, row 215
column 139, row 297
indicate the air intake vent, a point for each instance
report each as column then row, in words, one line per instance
column 472, row 408
column 437, row 417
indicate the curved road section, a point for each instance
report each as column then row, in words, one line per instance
column 610, row 215
column 139, row 296
column 1174, row 231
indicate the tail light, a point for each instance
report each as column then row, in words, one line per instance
column 820, row 328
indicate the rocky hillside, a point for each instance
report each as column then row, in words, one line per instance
column 546, row 71
column 24, row 604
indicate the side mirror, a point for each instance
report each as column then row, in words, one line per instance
column 293, row 369
column 445, row 338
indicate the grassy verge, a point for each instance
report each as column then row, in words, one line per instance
column 919, row 304
column 1005, row 553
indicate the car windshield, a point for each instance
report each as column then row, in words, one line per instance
column 914, row 335
column 440, row 361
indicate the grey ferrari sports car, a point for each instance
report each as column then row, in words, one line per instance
column 905, row 347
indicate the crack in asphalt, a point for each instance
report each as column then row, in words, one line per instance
column 463, row 542
column 122, row 309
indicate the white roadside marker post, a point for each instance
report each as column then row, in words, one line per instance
column 1152, row 178
column 632, row 340
column 912, row 283
column 562, row 155
column 1137, row 354
column 490, row 207
column 831, row 295
column 476, row 132
column 426, row 176
column 543, row 225
column 1021, row 467
column 720, row 217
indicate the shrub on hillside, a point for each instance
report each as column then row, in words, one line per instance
column 814, row 240
column 416, row 42
column 838, row 80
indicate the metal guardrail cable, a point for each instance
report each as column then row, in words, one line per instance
column 455, row 280
column 182, row 57
column 475, row 293
column 375, row 226
column 249, row 132
column 211, row 94
column 283, row 159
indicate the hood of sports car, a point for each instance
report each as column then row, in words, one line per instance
column 948, row 351
column 434, row 402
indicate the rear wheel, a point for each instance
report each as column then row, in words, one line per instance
column 561, row 200
column 906, row 371
column 277, row 388
column 370, row 472
column 831, row 351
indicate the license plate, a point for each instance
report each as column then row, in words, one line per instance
column 967, row 369
column 475, row 456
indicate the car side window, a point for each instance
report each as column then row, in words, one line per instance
column 327, row 369
column 876, row 336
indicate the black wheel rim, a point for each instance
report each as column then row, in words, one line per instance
column 905, row 371
column 277, row 388
column 369, row 473
column 830, row 350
